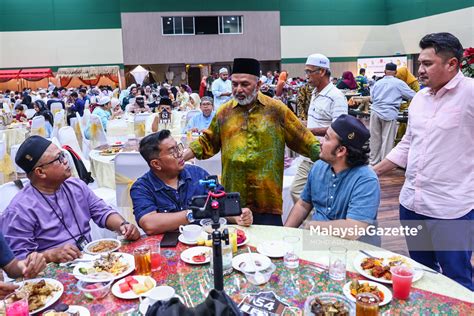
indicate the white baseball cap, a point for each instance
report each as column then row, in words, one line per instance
column 223, row 70
column 318, row 60
column 103, row 100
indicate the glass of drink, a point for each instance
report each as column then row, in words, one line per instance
column 16, row 304
column 337, row 263
column 402, row 276
column 142, row 257
column 155, row 251
column 291, row 259
column 367, row 304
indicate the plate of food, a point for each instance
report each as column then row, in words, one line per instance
column 102, row 246
column 244, row 262
column 108, row 267
column 329, row 304
column 42, row 293
column 197, row 255
column 242, row 238
column 354, row 287
column 110, row 151
column 133, row 287
column 377, row 268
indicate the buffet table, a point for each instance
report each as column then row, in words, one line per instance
column 432, row 294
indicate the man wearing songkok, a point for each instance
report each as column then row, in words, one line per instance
column 327, row 103
column 51, row 214
column 252, row 130
column 437, row 152
column 28, row 268
column 202, row 121
column 221, row 88
column 387, row 96
column 343, row 190
column 162, row 196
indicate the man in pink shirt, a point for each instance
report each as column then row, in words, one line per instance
column 437, row 152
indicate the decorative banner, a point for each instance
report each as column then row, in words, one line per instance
column 376, row 66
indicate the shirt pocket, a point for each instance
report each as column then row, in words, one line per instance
column 448, row 118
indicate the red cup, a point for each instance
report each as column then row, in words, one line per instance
column 402, row 277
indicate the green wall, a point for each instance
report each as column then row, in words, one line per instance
column 36, row 15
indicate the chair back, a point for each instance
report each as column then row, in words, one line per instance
column 117, row 130
column 190, row 115
column 87, row 104
column 29, row 113
column 8, row 192
column 139, row 123
column 212, row 165
column 56, row 107
column 85, row 118
column 97, row 133
column 67, row 136
column 128, row 168
column 38, row 126
column 59, row 121
column 149, row 123
column 85, row 143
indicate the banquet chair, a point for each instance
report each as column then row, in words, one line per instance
column 4, row 162
column 117, row 130
column 13, row 151
column 212, row 165
column 149, row 123
column 8, row 192
column 85, row 144
column 97, row 133
column 128, row 167
column 25, row 107
column 86, row 118
column 74, row 123
column 190, row 115
column 56, row 107
column 59, row 122
column 67, row 136
column 139, row 123
column 29, row 113
column 86, row 104
column 38, row 126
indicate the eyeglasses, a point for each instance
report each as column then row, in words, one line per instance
column 176, row 151
column 309, row 71
column 61, row 158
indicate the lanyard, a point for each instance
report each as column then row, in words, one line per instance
column 57, row 215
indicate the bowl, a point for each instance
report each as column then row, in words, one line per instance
column 94, row 290
column 329, row 298
column 259, row 277
column 207, row 224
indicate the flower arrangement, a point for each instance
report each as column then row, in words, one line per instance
column 467, row 62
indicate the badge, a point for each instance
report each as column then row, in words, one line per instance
column 81, row 243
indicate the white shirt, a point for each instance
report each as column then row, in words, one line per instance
column 219, row 87
column 326, row 106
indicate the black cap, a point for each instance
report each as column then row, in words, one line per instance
column 246, row 66
column 351, row 131
column 31, row 151
column 165, row 101
column 391, row 66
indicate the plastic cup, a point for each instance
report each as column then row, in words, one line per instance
column 155, row 251
column 291, row 259
column 367, row 304
column 16, row 304
column 337, row 263
column 402, row 277
column 142, row 257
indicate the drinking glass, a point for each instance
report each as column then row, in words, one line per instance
column 16, row 304
column 291, row 259
column 402, row 277
column 155, row 252
column 337, row 263
column 367, row 304
column 142, row 257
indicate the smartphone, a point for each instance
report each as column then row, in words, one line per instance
column 230, row 206
column 170, row 239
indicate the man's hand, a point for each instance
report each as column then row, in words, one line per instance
column 6, row 288
column 33, row 264
column 129, row 231
column 246, row 218
column 65, row 253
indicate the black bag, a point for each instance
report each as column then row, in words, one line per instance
column 82, row 172
column 217, row 303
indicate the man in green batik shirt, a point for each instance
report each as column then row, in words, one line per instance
column 252, row 130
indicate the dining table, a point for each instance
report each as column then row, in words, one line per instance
column 433, row 294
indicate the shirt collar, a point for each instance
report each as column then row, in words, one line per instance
column 325, row 90
column 260, row 100
column 448, row 86
column 158, row 184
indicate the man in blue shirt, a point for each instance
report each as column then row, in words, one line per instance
column 202, row 121
column 161, row 197
column 342, row 189
column 387, row 95
column 29, row 268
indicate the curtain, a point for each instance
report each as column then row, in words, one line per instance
column 112, row 77
column 65, row 81
column 91, row 82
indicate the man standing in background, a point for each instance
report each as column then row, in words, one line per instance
column 221, row 88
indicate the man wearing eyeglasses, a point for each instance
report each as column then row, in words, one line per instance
column 51, row 215
column 326, row 105
column 161, row 197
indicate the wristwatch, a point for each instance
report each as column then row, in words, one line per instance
column 189, row 216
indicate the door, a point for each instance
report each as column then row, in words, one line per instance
column 194, row 78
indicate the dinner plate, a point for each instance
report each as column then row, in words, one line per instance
column 83, row 311
column 187, row 255
column 418, row 274
column 262, row 262
column 273, row 248
column 244, row 242
column 185, row 241
column 52, row 299
column 84, row 277
column 95, row 242
column 385, row 290
column 130, row 295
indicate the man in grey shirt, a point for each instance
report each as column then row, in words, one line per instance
column 387, row 95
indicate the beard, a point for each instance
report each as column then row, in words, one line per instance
column 248, row 99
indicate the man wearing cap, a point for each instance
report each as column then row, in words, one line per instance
column 387, row 96
column 326, row 105
column 341, row 187
column 252, row 130
column 222, row 88
column 51, row 214
column 202, row 121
